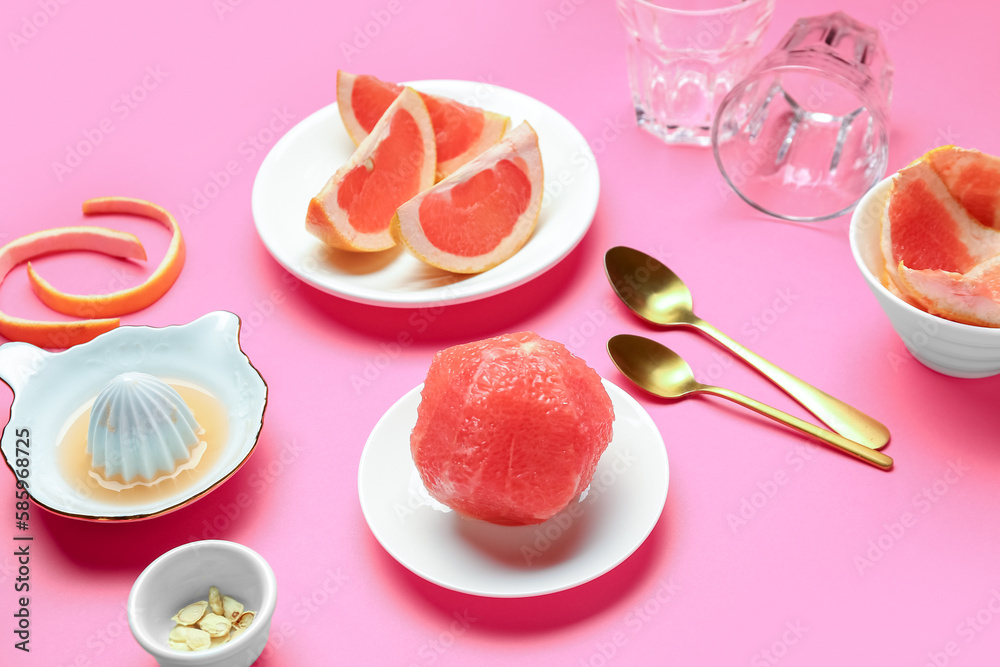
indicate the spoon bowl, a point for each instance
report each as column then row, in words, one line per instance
column 653, row 367
column 648, row 287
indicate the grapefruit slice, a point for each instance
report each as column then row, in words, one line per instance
column 480, row 215
column 510, row 429
column 460, row 131
column 973, row 179
column 62, row 334
column 392, row 164
column 127, row 300
column 925, row 228
column 970, row 298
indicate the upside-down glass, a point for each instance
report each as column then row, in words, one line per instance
column 684, row 56
column 805, row 135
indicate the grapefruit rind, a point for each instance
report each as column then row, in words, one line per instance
column 130, row 299
column 61, row 239
column 441, row 109
column 520, row 144
column 969, row 298
column 329, row 222
column 510, row 430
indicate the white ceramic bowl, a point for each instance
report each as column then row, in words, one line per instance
column 182, row 576
column 959, row 350
column 50, row 387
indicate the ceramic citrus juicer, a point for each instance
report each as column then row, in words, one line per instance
column 104, row 431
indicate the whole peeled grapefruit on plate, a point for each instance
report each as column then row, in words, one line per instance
column 510, row 429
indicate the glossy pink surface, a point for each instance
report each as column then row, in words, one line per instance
column 771, row 549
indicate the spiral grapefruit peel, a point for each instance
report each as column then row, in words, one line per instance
column 461, row 132
column 61, row 239
column 105, row 307
column 127, row 300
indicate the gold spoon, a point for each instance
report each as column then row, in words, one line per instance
column 660, row 371
column 656, row 294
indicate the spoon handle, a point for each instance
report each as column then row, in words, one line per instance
column 841, row 417
column 855, row 449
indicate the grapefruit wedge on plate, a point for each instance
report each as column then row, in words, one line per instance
column 480, row 215
column 392, row 164
column 301, row 162
column 461, row 132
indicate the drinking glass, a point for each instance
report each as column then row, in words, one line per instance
column 684, row 56
column 805, row 134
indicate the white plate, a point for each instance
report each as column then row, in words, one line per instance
column 301, row 162
column 577, row 545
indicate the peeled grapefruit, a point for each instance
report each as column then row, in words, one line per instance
column 510, row 429
column 480, row 215
column 461, row 132
column 394, row 163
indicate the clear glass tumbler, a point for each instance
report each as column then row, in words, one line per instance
column 805, row 135
column 684, row 56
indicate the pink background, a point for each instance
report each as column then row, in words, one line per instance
column 787, row 581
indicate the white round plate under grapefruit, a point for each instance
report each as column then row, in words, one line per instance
column 579, row 544
column 299, row 164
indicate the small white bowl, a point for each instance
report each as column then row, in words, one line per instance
column 182, row 576
column 951, row 348
column 50, row 387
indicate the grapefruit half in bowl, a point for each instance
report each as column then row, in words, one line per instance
column 952, row 348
